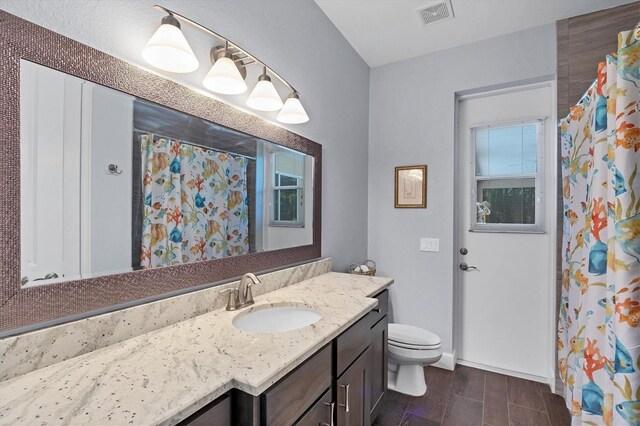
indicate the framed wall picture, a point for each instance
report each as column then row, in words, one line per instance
column 411, row 187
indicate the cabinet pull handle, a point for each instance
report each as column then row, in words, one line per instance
column 346, row 398
column 332, row 406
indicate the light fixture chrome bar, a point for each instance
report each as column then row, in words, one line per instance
column 229, row 43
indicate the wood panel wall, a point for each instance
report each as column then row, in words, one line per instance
column 583, row 42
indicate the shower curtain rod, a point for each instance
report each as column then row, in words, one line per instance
column 197, row 144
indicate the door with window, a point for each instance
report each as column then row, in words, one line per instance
column 506, row 240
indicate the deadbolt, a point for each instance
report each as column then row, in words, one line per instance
column 463, row 251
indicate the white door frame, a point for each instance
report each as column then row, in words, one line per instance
column 552, row 200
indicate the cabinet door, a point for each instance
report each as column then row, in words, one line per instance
column 379, row 360
column 320, row 414
column 353, row 393
column 218, row 413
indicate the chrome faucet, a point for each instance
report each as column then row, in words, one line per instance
column 242, row 295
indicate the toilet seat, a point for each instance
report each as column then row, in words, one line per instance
column 413, row 347
column 410, row 337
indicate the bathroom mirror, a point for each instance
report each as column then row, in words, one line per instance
column 80, row 203
column 112, row 183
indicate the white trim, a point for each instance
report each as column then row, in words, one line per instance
column 511, row 89
column 552, row 206
column 552, row 378
column 447, row 362
column 85, row 179
column 506, row 123
column 506, row 372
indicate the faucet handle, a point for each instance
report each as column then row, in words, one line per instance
column 232, row 302
column 249, row 296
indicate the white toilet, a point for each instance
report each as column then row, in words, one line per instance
column 410, row 349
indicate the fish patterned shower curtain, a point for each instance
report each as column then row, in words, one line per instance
column 195, row 203
column 598, row 332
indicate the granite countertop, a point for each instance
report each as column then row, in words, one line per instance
column 164, row 376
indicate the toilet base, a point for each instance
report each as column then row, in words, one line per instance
column 407, row 379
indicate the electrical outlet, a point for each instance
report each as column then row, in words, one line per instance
column 430, row 244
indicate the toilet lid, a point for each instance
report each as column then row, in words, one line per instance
column 402, row 334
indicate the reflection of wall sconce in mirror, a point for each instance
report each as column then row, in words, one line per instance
column 169, row 50
column 113, row 169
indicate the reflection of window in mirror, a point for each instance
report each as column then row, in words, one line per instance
column 288, row 198
column 288, row 189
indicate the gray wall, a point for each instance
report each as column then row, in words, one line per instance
column 411, row 122
column 292, row 36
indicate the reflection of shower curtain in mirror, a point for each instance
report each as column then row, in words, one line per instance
column 195, row 203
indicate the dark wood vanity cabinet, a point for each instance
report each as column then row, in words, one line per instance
column 379, row 362
column 353, row 392
column 342, row 384
column 320, row 413
column 287, row 400
column 216, row 413
column 379, row 352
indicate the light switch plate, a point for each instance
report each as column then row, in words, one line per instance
column 430, row 244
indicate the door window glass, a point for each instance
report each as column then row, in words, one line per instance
column 507, row 179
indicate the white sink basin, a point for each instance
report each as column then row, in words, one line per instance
column 276, row 319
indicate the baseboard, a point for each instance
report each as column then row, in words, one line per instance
column 506, row 372
column 447, row 361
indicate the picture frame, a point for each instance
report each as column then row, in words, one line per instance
column 410, row 187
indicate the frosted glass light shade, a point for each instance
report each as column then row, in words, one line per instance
column 169, row 50
column 224, row 77
column 293, row 112
column 264, row 97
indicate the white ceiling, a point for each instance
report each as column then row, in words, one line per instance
column 385, row 31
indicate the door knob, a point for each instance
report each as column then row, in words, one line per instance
column 466, row 267
column 49, row 276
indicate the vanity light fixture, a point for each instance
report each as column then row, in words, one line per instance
column 264, row 96
column 225, row 76
column 169, row 50
column 293, row 112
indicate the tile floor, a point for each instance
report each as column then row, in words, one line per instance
column 470, row 396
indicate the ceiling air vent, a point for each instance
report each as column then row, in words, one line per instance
column 434, row 12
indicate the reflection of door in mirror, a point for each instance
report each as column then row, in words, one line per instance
column 111, row 183
column 74, row 219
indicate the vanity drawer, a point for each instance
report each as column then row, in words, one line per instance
column 351, row 343
column 288, row 399
column 216, row 413
column 381, row 310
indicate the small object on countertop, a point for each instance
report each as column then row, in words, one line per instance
column 367, row 268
